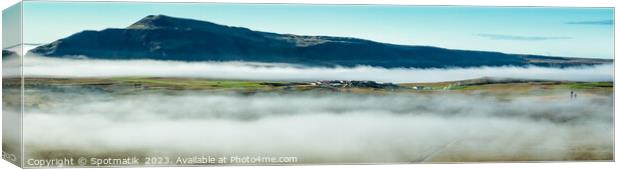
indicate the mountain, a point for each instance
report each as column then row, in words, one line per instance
column 162, row 37
column 7, row 54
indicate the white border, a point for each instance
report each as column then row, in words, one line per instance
column 559, row 3
column 566, row 3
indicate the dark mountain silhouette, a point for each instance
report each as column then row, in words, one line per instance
column 7, row 54
column 162, row 37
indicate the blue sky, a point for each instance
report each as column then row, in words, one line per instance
column 572, row 32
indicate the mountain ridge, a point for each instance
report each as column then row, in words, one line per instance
column 162, row 37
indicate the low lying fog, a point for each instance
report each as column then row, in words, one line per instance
column 336, row 128
column 42, row 66
column 316, row 127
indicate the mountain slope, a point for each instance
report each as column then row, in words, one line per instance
column 7, row 54
column 168, row 38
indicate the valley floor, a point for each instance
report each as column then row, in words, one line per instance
column 477, row 120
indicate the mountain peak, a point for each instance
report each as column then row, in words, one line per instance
column 168, row 22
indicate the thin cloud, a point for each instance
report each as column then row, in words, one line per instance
column 519, row 37
column 598, row 22
column 36, row 66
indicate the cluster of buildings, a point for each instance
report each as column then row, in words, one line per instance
column 422, row 88
column 352, row 83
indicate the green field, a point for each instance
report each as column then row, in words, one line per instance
column 148, row 83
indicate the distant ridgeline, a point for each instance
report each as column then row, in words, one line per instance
column 7, row 53
column 162, row 37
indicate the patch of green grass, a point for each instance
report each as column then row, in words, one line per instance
column 588, row 85
column 570, row 85
column 456, row 87
column 190, row 83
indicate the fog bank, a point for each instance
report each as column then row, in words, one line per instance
column 339, row 128
column 44, row 66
